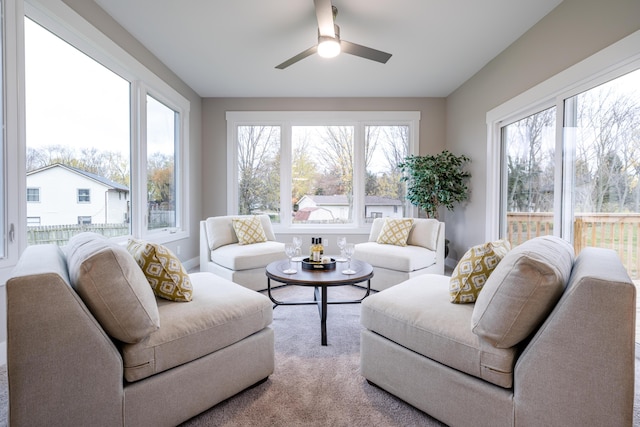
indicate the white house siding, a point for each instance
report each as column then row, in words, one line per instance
column 117, row 207
column 59, row 205
column 385, row 211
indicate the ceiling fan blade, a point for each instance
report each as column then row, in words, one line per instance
column 324, row 13
column 364, row 52
column 298, row 57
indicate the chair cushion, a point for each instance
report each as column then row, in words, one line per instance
column 246, row 257
column 398, row 258
column 220, row 230
column 522, row 290
column 417, row 315
column 220, row 314
column 112, row 285
column 395, row 231
column 473, row 270
column 424, row 233
column 248, row 230
column 164, row 271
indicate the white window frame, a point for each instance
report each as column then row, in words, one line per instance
column 614, row 61
column 286, row 120
column 67, row 24
column 14, row 216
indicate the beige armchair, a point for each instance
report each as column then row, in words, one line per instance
column 424, row 253
column 221, row 253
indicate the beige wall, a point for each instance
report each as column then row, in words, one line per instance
column 575, row 30
column 91, row 12
column 214, row 131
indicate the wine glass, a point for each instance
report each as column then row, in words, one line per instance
column 348, row 251
column 342, row 242
column 290, row 250
column 297, row 242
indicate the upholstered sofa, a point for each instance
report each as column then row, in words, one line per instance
column 89, row 344
column 223, row 254
column 392, row 264
column 548, row 342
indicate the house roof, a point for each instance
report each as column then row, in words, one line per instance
column 102, row 180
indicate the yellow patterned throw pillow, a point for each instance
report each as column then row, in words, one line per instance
column 249, row 230
column 474, row 269
column 164, row 271
column 395, row 231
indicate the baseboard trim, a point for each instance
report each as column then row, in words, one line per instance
column 3, row 353
column 192, row 263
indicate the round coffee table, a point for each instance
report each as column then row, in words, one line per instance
column 320, row 280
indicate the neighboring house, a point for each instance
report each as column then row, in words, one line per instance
column 338, row 207
column 62, row 195
column 311, row 213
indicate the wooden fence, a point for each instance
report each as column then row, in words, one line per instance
column 620, row 232
column 60, row 234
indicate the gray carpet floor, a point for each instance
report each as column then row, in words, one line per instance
column 312, row 385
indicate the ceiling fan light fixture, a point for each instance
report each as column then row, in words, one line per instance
column 328, row 47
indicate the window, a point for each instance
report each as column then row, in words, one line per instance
column 161, row 152
column 529, row 151
column 84, row 195
column 33, row 194
column 581, row 183
column 33, row 220
column 385, row 148
column 88, row 108
column 320, row 169
column 322, row 174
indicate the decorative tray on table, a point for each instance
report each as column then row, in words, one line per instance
column 314, row 265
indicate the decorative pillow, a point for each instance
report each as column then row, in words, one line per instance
column 522, row 290
column 474, row 269
column 112, row 285
column 164, row 271
column 395, row 231
column 249, row 230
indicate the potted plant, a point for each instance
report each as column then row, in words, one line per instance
column 434, row 181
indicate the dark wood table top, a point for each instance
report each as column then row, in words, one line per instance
column 364, row 271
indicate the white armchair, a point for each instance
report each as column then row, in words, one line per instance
column 392, row 264
column 220, row 252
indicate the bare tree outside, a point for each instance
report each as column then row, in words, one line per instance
column 258, row 170
column 600, row 171
column 387, row 148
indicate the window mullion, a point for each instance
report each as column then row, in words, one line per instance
column 138, row 160
column 286, row 173
column 358, row 174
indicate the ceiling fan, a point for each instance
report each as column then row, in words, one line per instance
column 329, row 43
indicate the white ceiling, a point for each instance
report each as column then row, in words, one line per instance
column 229, row 48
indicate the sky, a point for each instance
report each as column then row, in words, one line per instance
column 73, row 100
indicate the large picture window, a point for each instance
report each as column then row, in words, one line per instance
column 581, row 183
column 105, row 143
column 320, row 169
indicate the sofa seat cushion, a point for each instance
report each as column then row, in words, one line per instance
column 221, row 313
column 417, row 314
column 398, row 258
column 246, row 257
